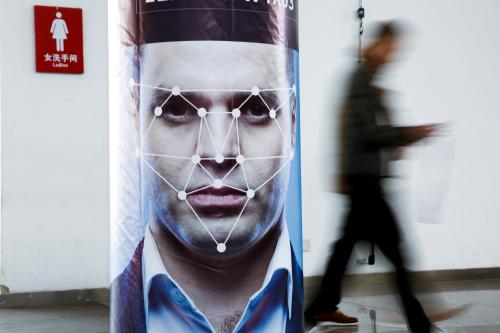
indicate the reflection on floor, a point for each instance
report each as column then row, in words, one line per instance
column 382, row 313
column 378, row 313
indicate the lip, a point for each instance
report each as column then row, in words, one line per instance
column 213, row 202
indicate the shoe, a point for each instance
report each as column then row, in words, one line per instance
column 332, row 318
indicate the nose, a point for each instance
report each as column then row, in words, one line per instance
column 219, row 140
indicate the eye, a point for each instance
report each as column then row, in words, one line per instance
column 178, row 111
column 255, row 111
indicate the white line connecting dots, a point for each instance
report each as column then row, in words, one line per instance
column 219, row 158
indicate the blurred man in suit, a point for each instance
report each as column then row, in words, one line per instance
column 367, row 138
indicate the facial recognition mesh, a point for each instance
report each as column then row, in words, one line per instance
column 205, row 133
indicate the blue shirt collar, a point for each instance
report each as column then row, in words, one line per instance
column 152, row 266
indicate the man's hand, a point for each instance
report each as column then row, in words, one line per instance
column 417, row 133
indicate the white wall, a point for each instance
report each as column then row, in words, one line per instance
column 54, row 162
column 54, row 155
column 450, row 73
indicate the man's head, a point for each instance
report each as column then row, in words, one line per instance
column 382, row 50
column 217, row 122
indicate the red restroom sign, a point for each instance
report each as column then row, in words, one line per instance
column 59, row 39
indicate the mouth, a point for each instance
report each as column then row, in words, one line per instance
column 217, row 203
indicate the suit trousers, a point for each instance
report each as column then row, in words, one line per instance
column 370, row 218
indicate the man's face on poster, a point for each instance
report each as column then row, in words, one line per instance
column 216, row 153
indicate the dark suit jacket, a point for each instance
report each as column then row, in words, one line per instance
column 127, row 299
column 367, row 132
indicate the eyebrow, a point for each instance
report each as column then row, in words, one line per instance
column 198, row 99
column 158, row 96
column 270, row 98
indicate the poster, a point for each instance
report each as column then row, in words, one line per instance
column 207, row 233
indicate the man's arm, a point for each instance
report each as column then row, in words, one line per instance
column 382, row 136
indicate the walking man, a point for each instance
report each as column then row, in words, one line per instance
column 368, row 136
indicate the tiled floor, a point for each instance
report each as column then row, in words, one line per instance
column 377, row 313
column 382, row 313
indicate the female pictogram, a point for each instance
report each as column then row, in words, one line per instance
column 59, row 31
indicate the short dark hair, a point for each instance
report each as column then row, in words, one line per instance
column 390, row 29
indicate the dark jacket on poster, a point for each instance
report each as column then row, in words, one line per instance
column 127, row 298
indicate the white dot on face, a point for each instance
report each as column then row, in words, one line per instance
column 240, row 159
column 218, row 183
column 272, row 113
column 255, row 91
column 158, row 111
column 176, row 91
column 251, row 194
column 196, row 159
column 294, row 88
column 138, row 153
column 221, row 247
column 236, row 113
column 182, row 195
column 292, row 154
column 202, row 112
column 219, row 158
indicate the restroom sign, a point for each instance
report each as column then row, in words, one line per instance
column 58, row 39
